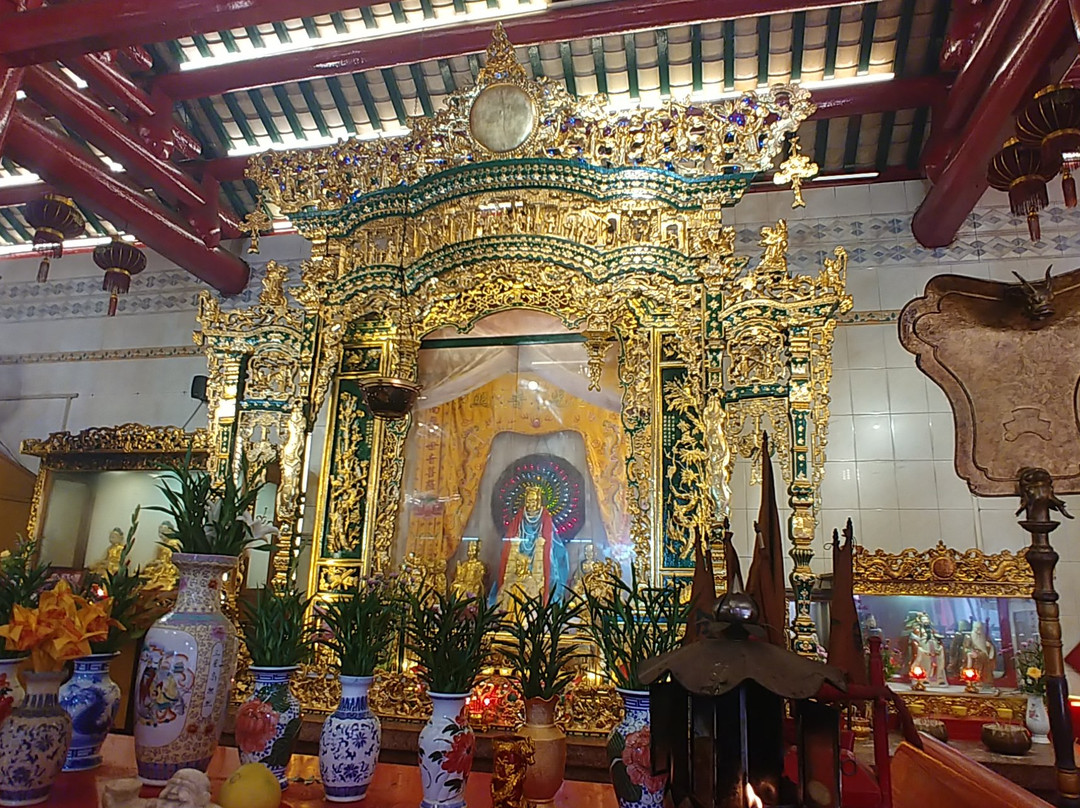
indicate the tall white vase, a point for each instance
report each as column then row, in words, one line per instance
column 447, row 745
column 630, row 755
column 349, row 743
column 1037, row 719
column 185, row 672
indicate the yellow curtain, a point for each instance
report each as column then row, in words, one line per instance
column 454, row 438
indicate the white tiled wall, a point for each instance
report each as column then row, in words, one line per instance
column 891, row 437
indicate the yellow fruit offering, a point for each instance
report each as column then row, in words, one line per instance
column 251, row 786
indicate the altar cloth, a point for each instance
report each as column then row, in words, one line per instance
column 395, row 786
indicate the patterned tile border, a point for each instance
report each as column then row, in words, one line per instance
column 989, row 235
column 185, row 351
column 104, row 355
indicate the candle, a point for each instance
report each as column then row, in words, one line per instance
column 918, row 677
column 970, row 677
column 752, row 799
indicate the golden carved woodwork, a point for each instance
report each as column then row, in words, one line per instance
column 1003, row 354
column 743, row 134
column 943, row 572
column 517, row 195
column 126, row 439
column 128, row 447
column 964, row 705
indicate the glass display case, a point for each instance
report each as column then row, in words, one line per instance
column 90, row 483
column 951, row 622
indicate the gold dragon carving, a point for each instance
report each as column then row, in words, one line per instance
column 943, row 571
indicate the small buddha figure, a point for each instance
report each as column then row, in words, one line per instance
column 418, row 572
column 161, row 573
column 469, row 576
column 597, row 576
column 111, row 562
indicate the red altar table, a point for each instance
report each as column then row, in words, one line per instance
column 394, row 786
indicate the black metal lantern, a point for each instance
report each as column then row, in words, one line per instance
column 1050, row 123
column 54, row 218
column 1018, row 170
column 718, row 718
column 120, row 261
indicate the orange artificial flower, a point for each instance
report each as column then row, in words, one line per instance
column 60, row 628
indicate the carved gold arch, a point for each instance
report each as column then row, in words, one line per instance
column 609, row 220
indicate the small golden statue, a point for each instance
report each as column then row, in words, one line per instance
column 161, row 573
column 469, row 576
column 510, row 756
column 111, row 562
column 418, row 572
column 597, row 577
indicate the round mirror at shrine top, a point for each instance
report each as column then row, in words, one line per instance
column 502, row 118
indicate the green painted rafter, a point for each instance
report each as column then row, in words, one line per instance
column 763, row 35
column 368, row 100
column 729, row 55
column 798, row 39
column 832, row 40
column 264, row 115
column 420, row 83
column 568, row 67
column 630, row 47
column 238, row 116
column 336, row 92
column 395, row 95
column 312, row 102
column 695, row 57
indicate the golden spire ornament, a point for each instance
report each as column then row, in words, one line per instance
column 796, row 169
column 254, row 223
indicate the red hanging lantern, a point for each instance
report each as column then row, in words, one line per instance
column 54, row 218
column 120, row 261
column 1051, row 124
column 1018, row 170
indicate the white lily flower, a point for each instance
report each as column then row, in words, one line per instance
column 260, row 530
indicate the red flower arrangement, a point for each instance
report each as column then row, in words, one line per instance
column 256, row 726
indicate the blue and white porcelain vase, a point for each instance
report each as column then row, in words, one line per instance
column 446, row 748
column 92, row 699
column 629, row 751
column 184, row 675
column 11, row 689
column 268, row 723
column 349, row 743
column 34, row 741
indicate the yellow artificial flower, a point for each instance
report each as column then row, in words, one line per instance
column 1034, row 673
column 24, row 631
column 94, row 619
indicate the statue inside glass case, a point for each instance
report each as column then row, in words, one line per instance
column 926, row 648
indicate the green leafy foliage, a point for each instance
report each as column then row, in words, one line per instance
column 208, row 519
column 361, row 626
column 535, row 642
column 450, row 635
column 21, row 580
column 275, row 631
column 124, row 586
column 637, row 623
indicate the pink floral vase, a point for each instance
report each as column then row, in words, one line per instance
column 268, row 723
column 447, row 745
column 629, row 750
column 185, row 671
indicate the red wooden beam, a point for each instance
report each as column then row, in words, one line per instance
column 154, row 115
column 957, row 189
column 99, row 126
column 61, row 31
column 557, row 24
column 10, row 81
column 74, row 171
column 880, row 96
